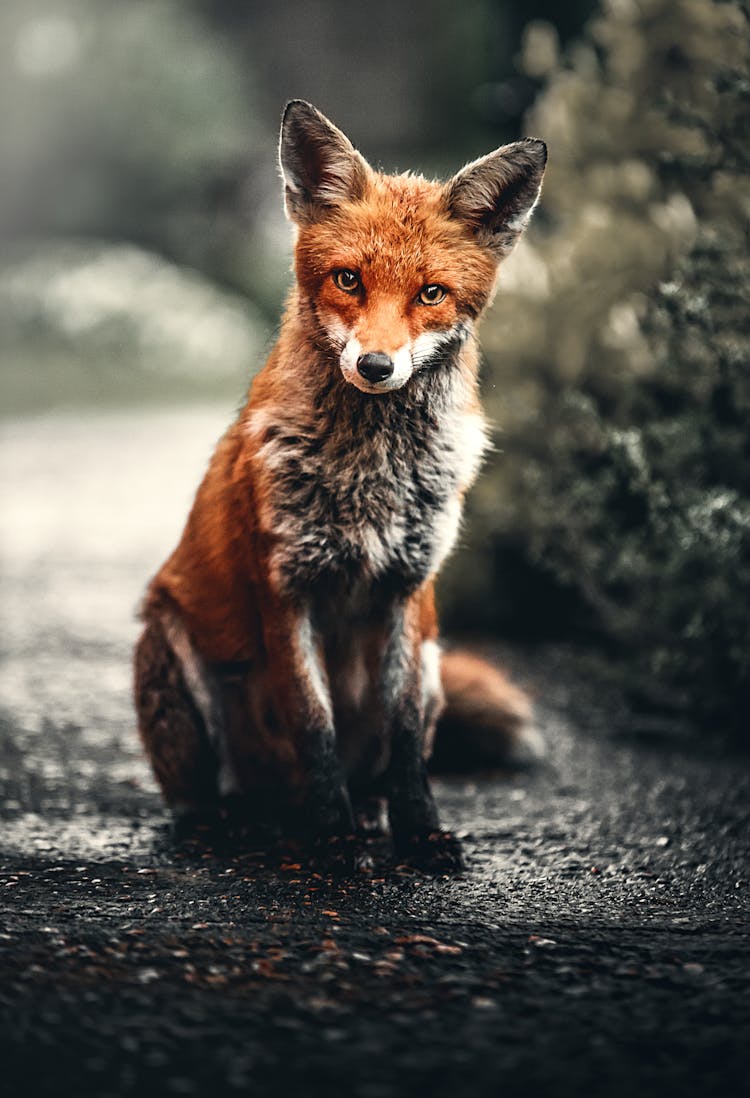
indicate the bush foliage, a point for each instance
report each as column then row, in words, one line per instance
column 618, row 357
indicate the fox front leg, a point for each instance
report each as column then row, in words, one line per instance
column 304, row 705
column 413, row 815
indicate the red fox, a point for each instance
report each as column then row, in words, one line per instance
column 290, row 653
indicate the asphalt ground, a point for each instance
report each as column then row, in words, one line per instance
column 596, row 945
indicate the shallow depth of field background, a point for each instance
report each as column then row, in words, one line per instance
column 144, row 258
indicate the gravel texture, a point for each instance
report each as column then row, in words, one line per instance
column 596, row 945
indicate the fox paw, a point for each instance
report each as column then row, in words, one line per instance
column 342, row 855
column 437, row 852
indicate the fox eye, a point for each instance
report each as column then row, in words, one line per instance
column 347, row 281
column 432, row 294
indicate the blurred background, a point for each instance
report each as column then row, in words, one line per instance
column 144, row 259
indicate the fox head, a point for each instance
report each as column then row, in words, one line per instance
column 398, row 268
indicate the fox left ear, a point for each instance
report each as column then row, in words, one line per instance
column 496, row 195
column 320, row 166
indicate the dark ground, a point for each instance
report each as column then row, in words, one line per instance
column 597, row 943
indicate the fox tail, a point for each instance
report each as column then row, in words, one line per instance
column 487, row 721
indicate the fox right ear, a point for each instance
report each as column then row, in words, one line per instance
column 320, row 166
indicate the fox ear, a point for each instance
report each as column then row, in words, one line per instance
column 497, row 194
column 319, row 164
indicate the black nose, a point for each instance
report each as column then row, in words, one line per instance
column 375, row 366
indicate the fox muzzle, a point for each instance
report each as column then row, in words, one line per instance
column 375, row 366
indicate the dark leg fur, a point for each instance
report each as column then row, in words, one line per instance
column 331, row 821
column 411, row 807
column 328, row 805
column 413, row 814
column 171, row 728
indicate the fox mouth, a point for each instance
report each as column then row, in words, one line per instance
column 375, row 371
column 373, row 387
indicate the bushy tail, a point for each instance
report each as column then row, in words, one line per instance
column 487, row 721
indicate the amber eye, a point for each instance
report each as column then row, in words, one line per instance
column 347, row 281
column 431, row 294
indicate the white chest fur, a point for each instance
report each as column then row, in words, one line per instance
column 372, row 496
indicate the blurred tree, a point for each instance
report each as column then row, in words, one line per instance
column 618, row 359
column 128, row 121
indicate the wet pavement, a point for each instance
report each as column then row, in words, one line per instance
column 597, row 943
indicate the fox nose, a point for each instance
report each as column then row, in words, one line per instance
column 375, row 366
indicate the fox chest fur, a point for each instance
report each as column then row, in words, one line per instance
column 367, row 491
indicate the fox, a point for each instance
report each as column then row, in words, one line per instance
column 290, row 658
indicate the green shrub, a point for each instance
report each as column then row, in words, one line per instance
column 617, row 359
